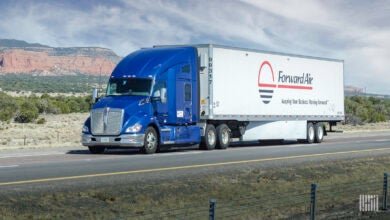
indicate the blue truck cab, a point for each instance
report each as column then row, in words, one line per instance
column 151, row 100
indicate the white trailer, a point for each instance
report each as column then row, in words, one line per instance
column 258, row 95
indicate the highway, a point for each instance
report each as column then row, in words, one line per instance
column 52, row 166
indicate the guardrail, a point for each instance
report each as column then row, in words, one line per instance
column 350, row 199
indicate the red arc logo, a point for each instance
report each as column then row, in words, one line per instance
column 267, row 82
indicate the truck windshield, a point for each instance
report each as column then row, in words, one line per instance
column 132, row 86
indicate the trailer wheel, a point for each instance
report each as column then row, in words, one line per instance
column 223, row 136
column 150, row 141
column 210, row 138
column 310, row 133
column 319, row 133
column 96, row 150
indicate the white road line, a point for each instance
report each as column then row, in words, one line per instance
column 174, row 153
column 142, row 156
column 299, row 145
column 8, row 166
column 30, row 155
column 382, row 140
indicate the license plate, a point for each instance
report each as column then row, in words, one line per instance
column 104, row 139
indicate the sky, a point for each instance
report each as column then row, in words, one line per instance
column 356, row 31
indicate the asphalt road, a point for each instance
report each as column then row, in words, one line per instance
column 58, row 165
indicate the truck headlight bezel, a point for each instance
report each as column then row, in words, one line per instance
column 85, row 129
column 135, row 128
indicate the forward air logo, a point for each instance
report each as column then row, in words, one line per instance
column 268, row 86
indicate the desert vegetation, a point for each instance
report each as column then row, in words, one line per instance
column 79, row 83
column 360, row 110
column 28, row 109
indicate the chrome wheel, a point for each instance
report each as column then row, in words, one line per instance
column 211, row 137
column 151, row 141
column 310, row 133
column 319, row 129
column 223, row 136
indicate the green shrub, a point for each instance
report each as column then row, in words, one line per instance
column 360, row 109
column 41, row 121
column 8, row 107
column 42, row 105
column 74, row 106
column 26, row 110
column 28, row 113
column 63, row 107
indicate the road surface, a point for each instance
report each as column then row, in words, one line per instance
column 51, row 166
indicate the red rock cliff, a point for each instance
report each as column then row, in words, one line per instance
column 48, row 61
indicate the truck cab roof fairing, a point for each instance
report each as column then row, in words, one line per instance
column 146, row 63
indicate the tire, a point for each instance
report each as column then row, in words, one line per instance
column 310, row 133
column 210, row 138
column 319, row 133
column 96, row 150
column 223, row 136
column 150, row 141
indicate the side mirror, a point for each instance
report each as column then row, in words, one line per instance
column 160, row 95
column 95, row 96
column 163, row 92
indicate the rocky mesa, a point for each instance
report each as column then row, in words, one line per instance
column 19, row 57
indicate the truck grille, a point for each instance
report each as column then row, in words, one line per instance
column 106, row 121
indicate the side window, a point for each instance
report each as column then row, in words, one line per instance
column 187, row 90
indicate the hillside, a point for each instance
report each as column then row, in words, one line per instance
column 20, row 57
column 18, row 43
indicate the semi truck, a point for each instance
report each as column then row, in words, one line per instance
column 212, row 95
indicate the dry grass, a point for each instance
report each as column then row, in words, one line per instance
column 65, row 130
column 59, row 130
column 135, row 200
column 368, row 127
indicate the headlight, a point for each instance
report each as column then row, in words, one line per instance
column 85, row 129
column 135, row 128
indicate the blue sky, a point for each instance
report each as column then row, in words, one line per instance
column 356, row 31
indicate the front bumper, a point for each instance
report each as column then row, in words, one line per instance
column 126, row 140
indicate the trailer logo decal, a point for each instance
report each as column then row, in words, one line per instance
column 267, row 82
column 267, row 85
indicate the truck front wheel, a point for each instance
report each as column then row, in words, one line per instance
column 150, row 141
column 223, row 134
column 210, row 138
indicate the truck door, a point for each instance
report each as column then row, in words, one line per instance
column 178, row 108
